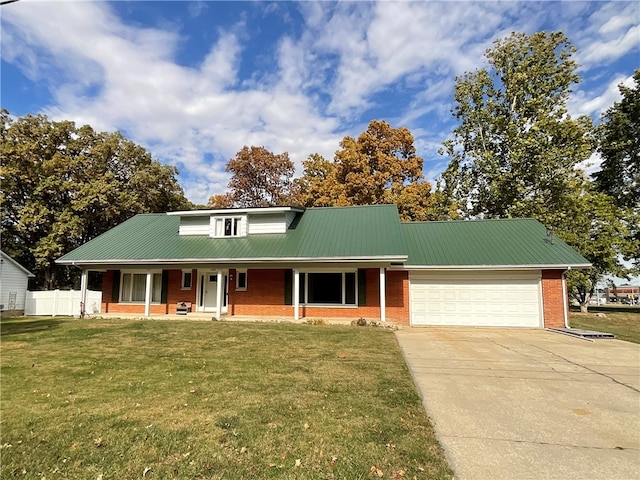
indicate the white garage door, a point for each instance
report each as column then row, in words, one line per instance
column 496, row 299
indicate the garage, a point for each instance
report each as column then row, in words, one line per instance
column 488, row 298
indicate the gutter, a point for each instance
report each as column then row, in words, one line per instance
column 270, row 260
column 577, row 266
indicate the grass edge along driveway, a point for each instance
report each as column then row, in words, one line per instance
column 625, row 325
column 181, row 399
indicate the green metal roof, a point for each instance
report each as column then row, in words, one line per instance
column 320, row 233
column 505, row 242
column 365, row 233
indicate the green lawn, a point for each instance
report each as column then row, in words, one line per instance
column 119, row 399
column 624, row 325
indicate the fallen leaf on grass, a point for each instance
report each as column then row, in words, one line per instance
column 298, row 462
column 146, row 470
column 376, row 471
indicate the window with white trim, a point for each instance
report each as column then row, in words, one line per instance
column 241, row 280
column 187, row 279
column 328, row 288
column 133, row 287
column 227, row 227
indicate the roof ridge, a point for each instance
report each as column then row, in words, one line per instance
column 470, row 220
column 353, row 206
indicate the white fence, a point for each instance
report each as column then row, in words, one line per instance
column 61, row 302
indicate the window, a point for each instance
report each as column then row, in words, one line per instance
column 241, row 280
column 328, row 288
column 227, row 227
column 134, row 287
column 186, row 279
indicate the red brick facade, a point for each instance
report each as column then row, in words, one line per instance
column 553, row 298
column 265, row 296
column 397, row 294
column 175, row 294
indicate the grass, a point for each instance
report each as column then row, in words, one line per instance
column 624, row 325
column 118, row 399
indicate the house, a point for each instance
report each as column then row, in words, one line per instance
column 625, row 293
column 334, row 262
column 14, row 279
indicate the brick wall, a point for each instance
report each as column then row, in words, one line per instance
column 397, row 294
column 553, row 298
column 175, row 294
column 265, row 297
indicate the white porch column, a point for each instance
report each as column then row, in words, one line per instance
column 147, row 296
column 383, row 299
column 219, row 294
column 296, row 294
column 83, row 293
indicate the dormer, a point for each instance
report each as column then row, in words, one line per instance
column 237, row 222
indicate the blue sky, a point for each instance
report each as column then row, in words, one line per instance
column 196, row 81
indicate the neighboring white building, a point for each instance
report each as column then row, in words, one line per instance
column 13, row 284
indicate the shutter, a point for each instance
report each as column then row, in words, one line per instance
column 115, row 290
column 288, row 287
column 165, row 286
column 362, row 287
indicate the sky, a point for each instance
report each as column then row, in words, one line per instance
column 194, row 82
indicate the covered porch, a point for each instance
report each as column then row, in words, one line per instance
column 339, row 293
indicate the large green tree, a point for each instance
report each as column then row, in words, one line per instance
column 63, row 185
column 378, row 167
column 619, row 147
column 516, row 152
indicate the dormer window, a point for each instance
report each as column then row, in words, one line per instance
column 237, row 222
column 227, row 227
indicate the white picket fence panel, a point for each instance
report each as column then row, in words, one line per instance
column 61, row 302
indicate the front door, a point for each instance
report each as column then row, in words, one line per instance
column 208, row 292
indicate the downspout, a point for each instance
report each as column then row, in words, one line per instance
column 566, row 297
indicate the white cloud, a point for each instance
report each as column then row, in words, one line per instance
column 594, row 103
column 185, row 113
column 613, row 48
column 611, row 32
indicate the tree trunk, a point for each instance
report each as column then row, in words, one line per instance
column 584, row 308
column 49, row 278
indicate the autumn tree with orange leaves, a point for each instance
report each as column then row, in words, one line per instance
column 378, row 167
column 260, row 178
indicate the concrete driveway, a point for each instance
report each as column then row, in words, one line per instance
column 525, row 404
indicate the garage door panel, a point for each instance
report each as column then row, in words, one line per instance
column 472, row 298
